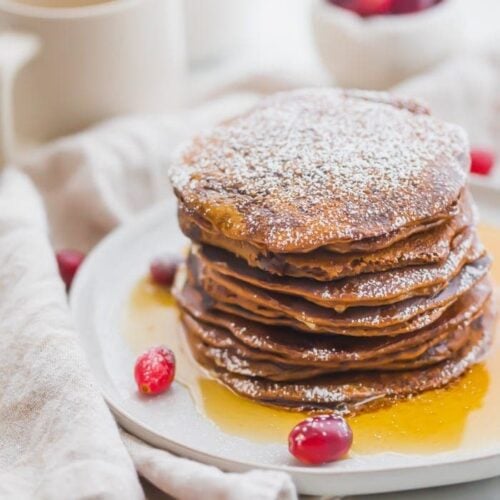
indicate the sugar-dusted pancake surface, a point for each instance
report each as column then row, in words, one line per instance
column 315, row 167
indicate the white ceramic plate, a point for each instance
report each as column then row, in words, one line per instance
column 172, row 422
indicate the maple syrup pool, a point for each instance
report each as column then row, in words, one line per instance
column 465, row 415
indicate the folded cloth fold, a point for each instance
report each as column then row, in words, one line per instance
column 190, row 480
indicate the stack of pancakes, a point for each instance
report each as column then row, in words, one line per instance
column 335, row 261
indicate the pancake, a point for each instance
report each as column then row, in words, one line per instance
column 365, row 290
column 353, row 392
column 228, row 354
column 431, row 246
column 272, row 308
column 331, row 350
column 198, row 229
column 419, row 321
column 318, row 167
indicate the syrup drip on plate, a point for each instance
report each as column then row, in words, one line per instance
column 465, row 415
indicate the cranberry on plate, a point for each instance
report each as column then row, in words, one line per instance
column 163, row 268
column 320, row 439
column 481, row 161
column 154, row 370
column 68, row 262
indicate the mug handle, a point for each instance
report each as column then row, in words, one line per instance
column 16, row 49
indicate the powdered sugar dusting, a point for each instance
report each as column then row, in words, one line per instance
column 310, row 167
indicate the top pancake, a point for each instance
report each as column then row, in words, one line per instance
column 317, row 167
column 432, row 246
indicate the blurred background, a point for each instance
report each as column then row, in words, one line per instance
column 68, row 64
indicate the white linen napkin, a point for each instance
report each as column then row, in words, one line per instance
column 57, row 438
column 189, row 480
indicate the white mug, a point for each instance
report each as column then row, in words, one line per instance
column 94, row 61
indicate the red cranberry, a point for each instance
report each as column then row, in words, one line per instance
column 320, row 439
column 365, row 8
column 481, row 161
column 163, row 268
column 154, row 370
column 68, row 262
column 412, row 6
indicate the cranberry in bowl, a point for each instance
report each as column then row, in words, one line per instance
column 375, row 44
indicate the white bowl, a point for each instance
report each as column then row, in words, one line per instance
column 378, row 52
